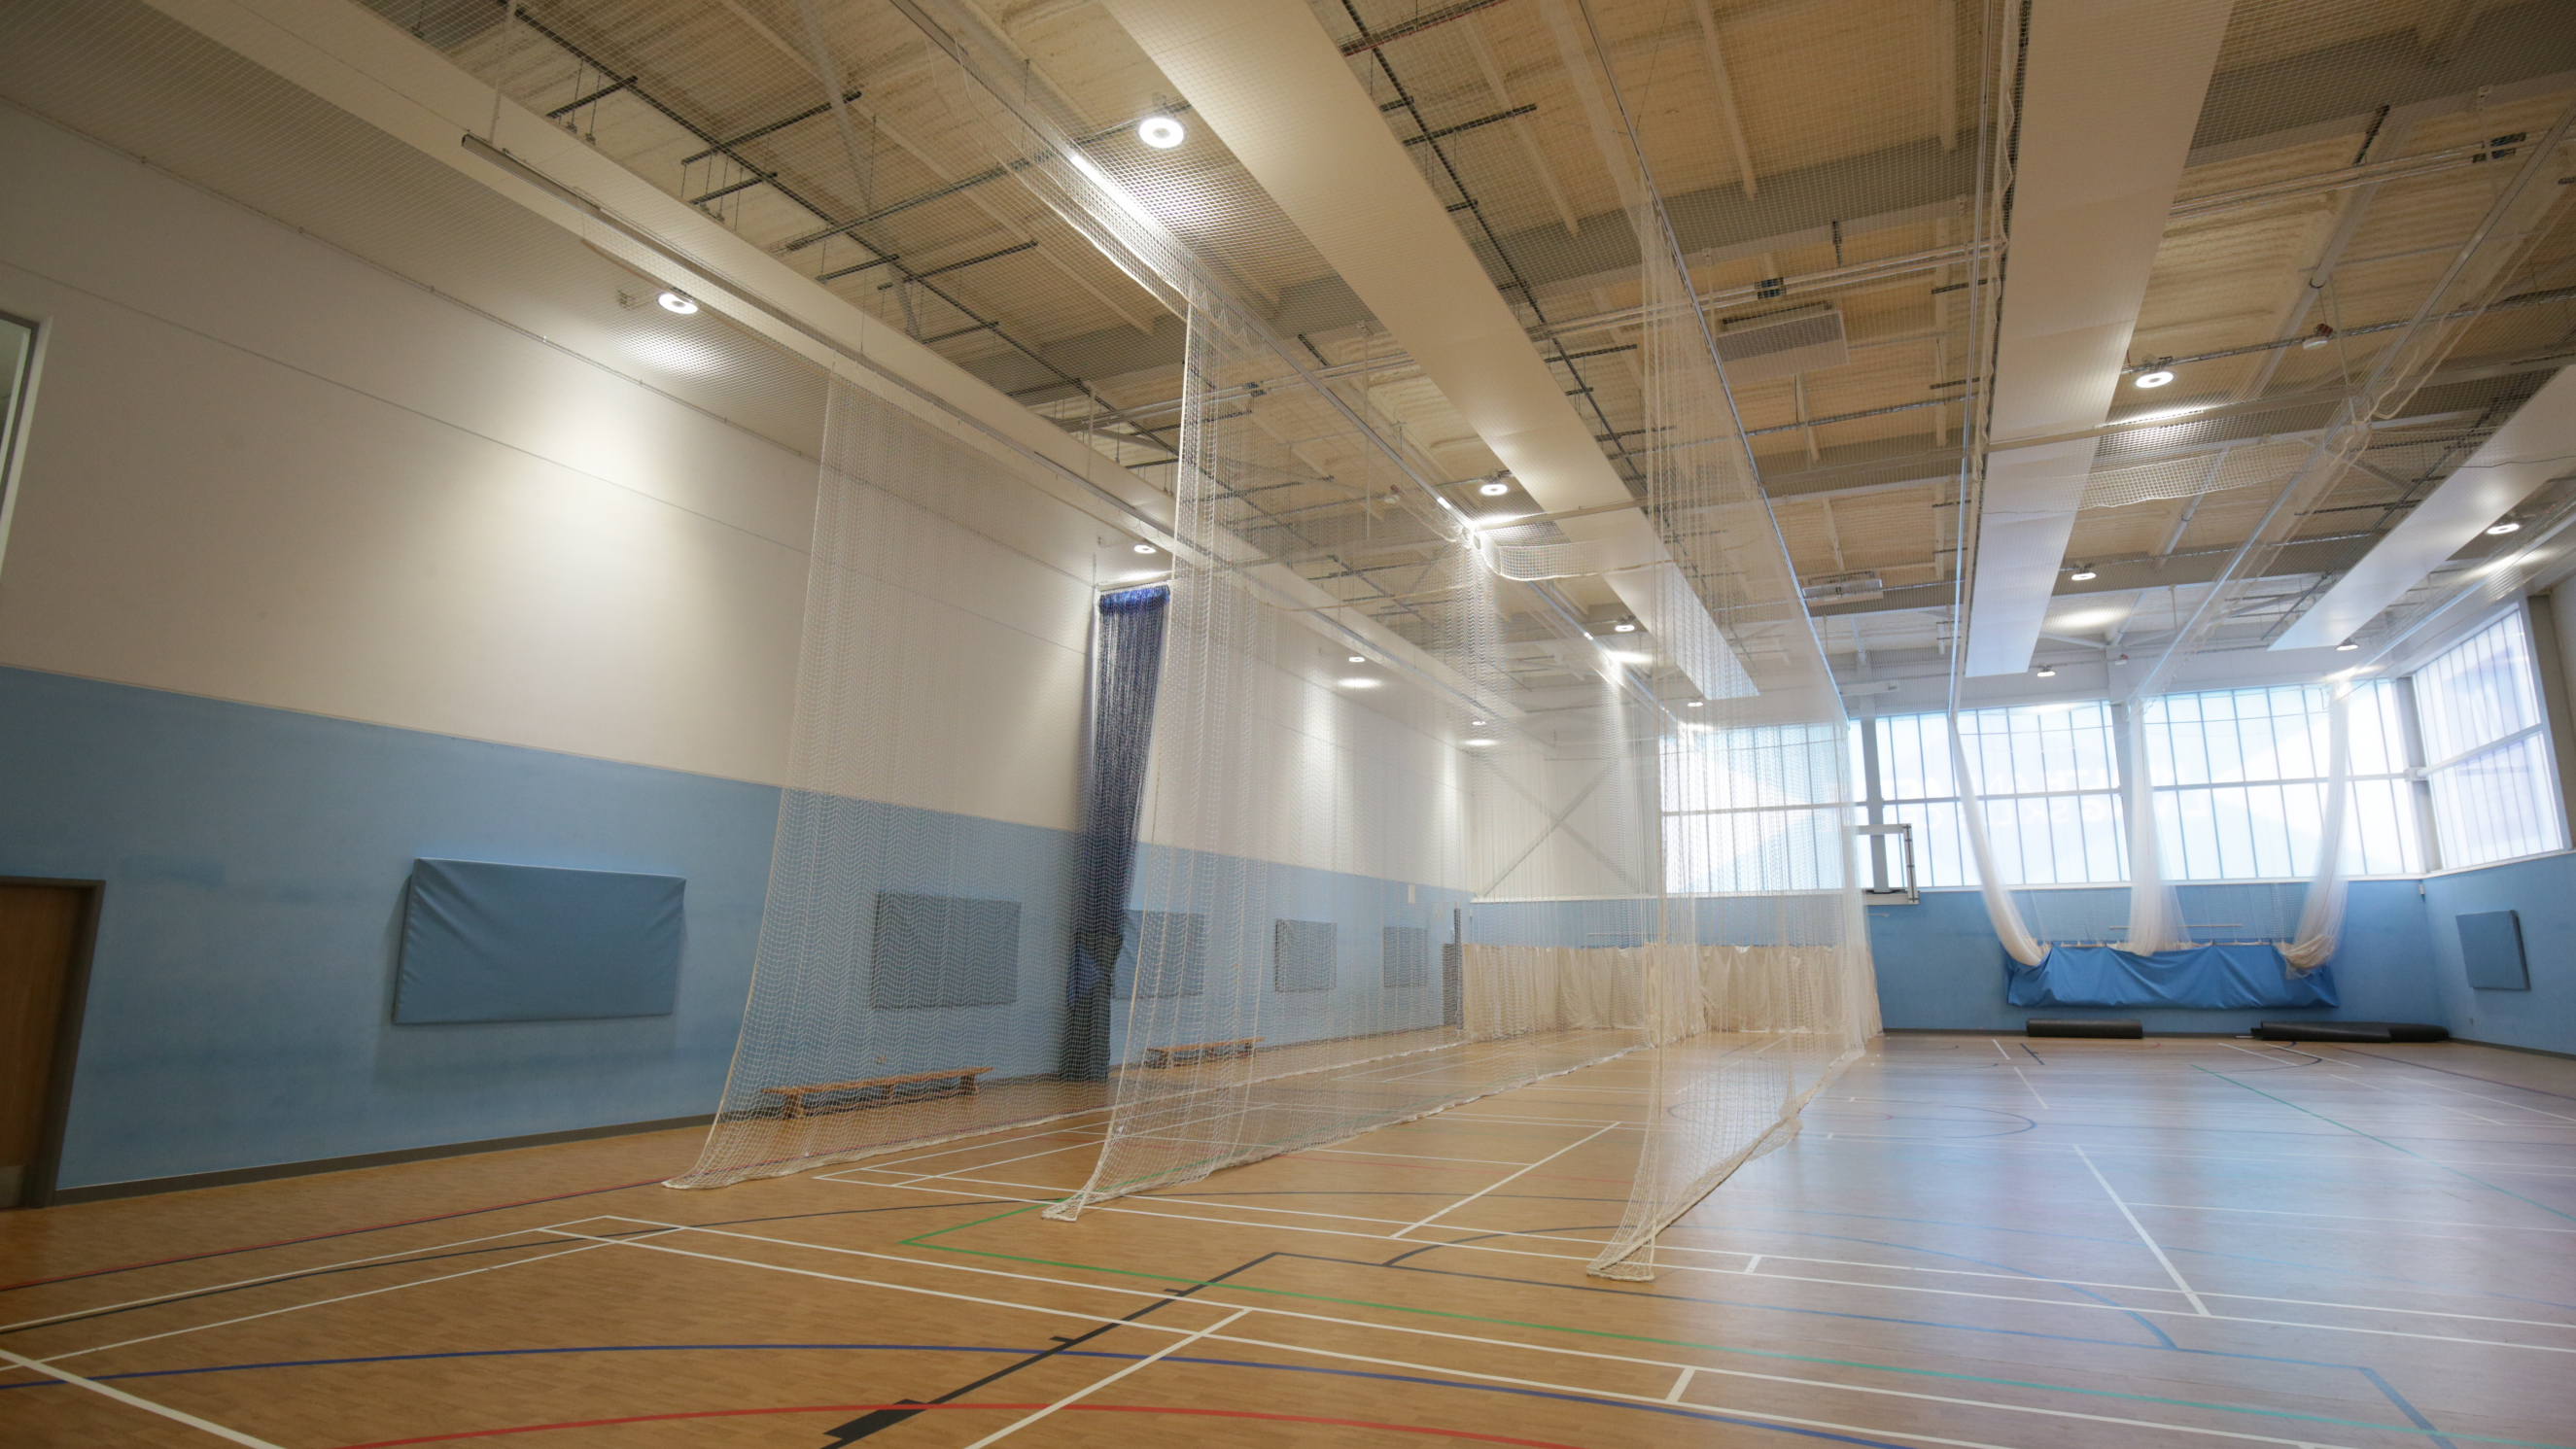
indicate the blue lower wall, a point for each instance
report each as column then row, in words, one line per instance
column 2542, row 893
column 240, row 1001
column 239, row 1010
column 240, row 996
column 1941, row 968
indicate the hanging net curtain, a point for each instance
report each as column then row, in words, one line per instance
column 881, row 955
column 1759, row 982
column 1309, row 945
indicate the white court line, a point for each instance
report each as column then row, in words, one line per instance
column 2034, row 1091
column 1535, row 1121
column 2355, row 1217
column 80, row 1313
column 1774, row 1418
column 2373, row 1159
column 2141, row 1230
column 1679, row 1384
column 146, row 1405
column 973, row 1144
column 2073, row 1284
column 1409, row 1156
column 2465, row 1092
column 2069, row 1283
column 1471, row 1197
column 1402, row 1329
column 1087, row 1390
column 1002, row 1162
column 2332, row 1070
column 326, row 1302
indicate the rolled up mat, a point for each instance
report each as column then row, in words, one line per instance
column 2082, row 1026
column 2358, row 1032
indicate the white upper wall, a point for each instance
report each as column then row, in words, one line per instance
column 262, row 469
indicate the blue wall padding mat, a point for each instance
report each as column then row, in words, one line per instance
column 1303, row 955
column 2216, row 977
column 944, row 951
column 487, row 942
column 1175, row 947
column 2491, row 950
column 1405, row 959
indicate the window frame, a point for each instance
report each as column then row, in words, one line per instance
column 17, row 412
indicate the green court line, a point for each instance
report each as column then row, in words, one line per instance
column 922, row 1240
column 2391, row 1146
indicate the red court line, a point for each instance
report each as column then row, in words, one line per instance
column 318, row 1237
column 1418, row 1166
column 1022, row 1408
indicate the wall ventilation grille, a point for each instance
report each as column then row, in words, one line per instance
column 1782, row 343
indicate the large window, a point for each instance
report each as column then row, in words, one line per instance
column 2240, row 779
column 2046, row 777
column 1758, row 808
column 2486, row 749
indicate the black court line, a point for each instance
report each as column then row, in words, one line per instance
column 93, row 1315
column 882, row 1419
column 320, row 1237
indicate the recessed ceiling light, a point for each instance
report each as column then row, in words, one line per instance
column 2345, row 646
column 1360, row 683
column 1495, row 489
column 1475, row 742
column 1627, row 628
column 2083, row 573
column 1475, row 724
column 1144, row 548
column 1160, row 132
column 1359, row 659
column 2155, row 377
column 2048, row 671
column 677, row 302
column 2508, row 526
column 1694, row 704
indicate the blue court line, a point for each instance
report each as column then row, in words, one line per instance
column 2393, row 1147
column 2386, row 1388
column 2168, row 1247
column 1669, row 1410
column 1681, row 1411
column 2446, row 1071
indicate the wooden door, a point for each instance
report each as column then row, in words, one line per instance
column 40, row 930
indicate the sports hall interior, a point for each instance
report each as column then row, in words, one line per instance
column 1564, row 723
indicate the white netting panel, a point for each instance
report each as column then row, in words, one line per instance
column 1759, row 991
column 1321, row 840
column 880, row 956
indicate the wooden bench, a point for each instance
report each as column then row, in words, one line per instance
column 1167, row 1056
column 965, row 1078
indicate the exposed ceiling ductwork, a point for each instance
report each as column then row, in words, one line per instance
column 2111, row 95
column 2537, row 445
column 1278, row 92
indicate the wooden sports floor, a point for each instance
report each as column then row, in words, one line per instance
column 1978, row 1242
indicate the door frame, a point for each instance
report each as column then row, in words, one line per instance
column 38, row 1190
